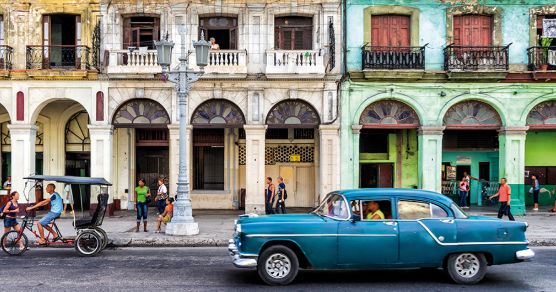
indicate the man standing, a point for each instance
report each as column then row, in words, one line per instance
column 504, row 194
column 281, row 194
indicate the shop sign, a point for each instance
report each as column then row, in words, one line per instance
column 463, row 160
column 295, row 158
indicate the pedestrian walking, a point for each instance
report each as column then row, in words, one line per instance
column 161, row 196
column 282, row 195
column 504, row 193
column 165, row 216
column 68, row 198
column 463, row 193
column 9, row 212
column 535, row 189
column 142, row 198
column 468, row 179
column 269, row 196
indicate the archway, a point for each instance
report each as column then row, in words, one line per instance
column 216, row 129
column 470, row 145
column 142, row 139
column 540, row 153
column 5, row 153
column 291, row 149
column 388, row 145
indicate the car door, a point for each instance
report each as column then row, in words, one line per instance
column 426, row 229
column 367, row 243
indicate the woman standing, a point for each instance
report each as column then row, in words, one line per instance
column 161, row 196
column 11, row 209
column 142, row 193
column 68, row 198
column 535, row 188
column 269, row 196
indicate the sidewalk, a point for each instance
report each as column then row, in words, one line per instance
column 216, row 227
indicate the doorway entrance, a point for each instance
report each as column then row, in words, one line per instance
column 79, row 164
column 152, row 156
column 376, row 175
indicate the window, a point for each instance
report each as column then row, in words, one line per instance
column 417, row 210
column 372, row 209
column 390, row 30
column 222, row 29
column 333, row 206
column 208, row 159
column 465, row 139
column 293, row 33
column 1, row 30
column 373, row 141
column 539, row 27
column 141, row 31
column 473, row 30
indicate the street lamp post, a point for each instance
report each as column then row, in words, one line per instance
column 182, row 222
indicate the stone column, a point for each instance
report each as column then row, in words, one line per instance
column 356, row 129
column 255, row 168
column 430, row 158
column 101, row 160
column 23, row 159
column 329, row 159
column 512, row 164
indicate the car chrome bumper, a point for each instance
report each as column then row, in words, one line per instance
column 239, row 261
column 524, row 254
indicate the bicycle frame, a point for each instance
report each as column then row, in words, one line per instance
column 28, row 223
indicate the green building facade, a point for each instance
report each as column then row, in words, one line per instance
column 439, row 88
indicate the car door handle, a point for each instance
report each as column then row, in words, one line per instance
column 448, row 221
column 390, row 223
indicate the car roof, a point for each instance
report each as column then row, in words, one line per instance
column 406, row 193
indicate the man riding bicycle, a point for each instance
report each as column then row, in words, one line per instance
column 56, row 208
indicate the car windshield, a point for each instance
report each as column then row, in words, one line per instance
column 458, row 213
column 333, row 206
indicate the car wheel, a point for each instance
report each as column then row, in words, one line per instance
column 278, row 265
column 466, row 268
column 88, row 243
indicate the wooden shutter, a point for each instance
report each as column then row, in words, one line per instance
column 156, row 31
column 473, row 30
column 233, row 38
column 78, row 50
column 390, row 30
column 127, row 32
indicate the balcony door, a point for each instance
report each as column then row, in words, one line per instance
column 222, row 29
column 141, row 31
column 293, row 33
column 473, row 30
column 61, row 36
column 390, row 31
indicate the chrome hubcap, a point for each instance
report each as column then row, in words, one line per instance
column 467, row 265
column 278, row 266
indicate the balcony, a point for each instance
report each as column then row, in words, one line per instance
column 393, row 58
column 476, row 58
column 6, row 56
column 138, row 62
column 542, row 58
column 224, row 64
column 58, row 57
column 282, row 63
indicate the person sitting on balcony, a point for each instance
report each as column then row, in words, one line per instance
column 213, row 45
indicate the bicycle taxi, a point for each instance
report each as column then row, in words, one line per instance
column 90, row 238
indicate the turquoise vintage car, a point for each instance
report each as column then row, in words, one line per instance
column 409, row 229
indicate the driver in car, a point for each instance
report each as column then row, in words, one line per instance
column 56, row 208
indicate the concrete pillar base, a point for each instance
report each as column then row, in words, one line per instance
column 254, row 209
column 182, row 228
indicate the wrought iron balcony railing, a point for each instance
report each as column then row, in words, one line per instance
column 542, row 58
column 58, row 57
column 476, row 58
column 6, row 55
column 382, row 57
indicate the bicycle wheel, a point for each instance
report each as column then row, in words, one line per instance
column 13, row 243
column 104, row 237
column 88, row 243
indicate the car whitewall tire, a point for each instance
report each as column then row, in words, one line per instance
column 278, row 265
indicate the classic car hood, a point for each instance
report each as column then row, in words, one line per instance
column 280, row 218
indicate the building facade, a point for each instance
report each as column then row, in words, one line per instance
column 439, row 88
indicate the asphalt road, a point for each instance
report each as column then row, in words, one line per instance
column 210, row 269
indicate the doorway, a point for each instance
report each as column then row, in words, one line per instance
column 376, row 175
column 61, row 32
column 152, row 164
column 222, row 29
column 78, row 164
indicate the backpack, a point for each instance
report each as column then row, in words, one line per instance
column 285, row 194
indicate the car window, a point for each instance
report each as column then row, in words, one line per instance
column 334, row 206
column 418, row 210
column 376, row 209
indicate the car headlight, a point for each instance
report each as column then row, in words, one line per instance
column 238, row 228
